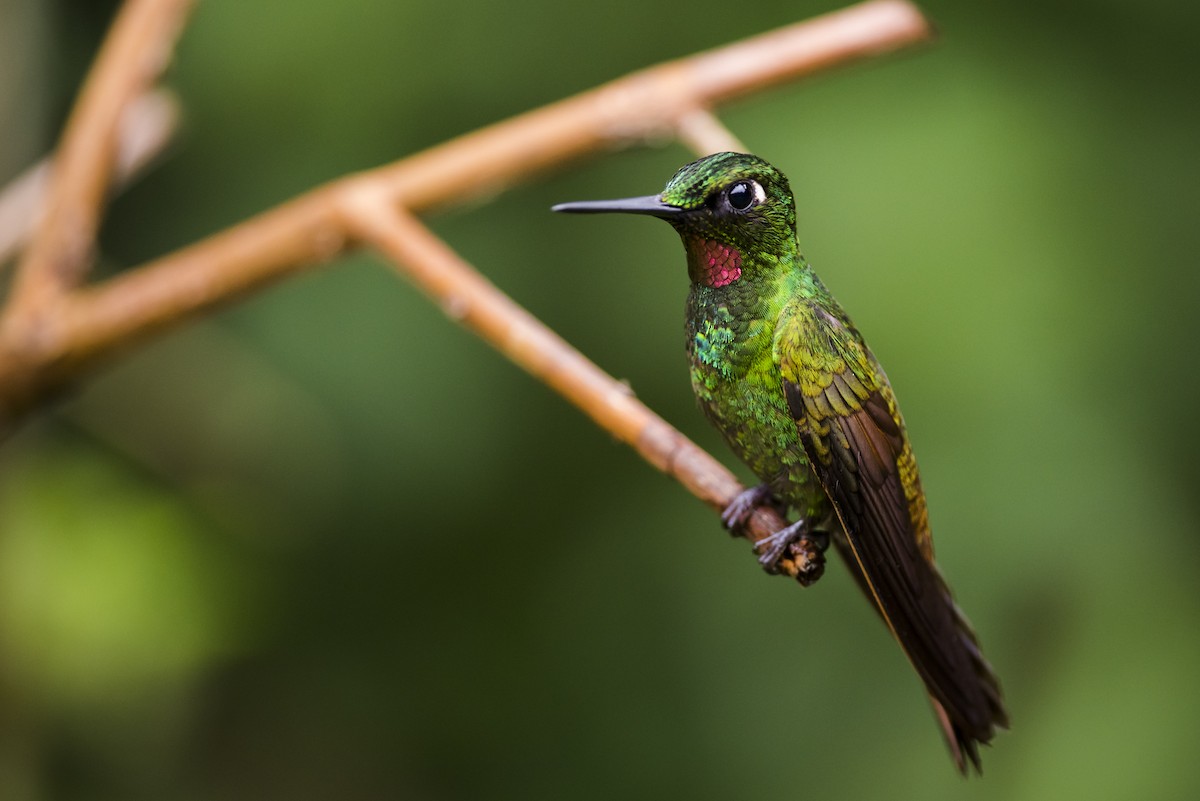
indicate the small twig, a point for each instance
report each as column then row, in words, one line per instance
column 147, row 126
column 135, row 52
column 471, row 300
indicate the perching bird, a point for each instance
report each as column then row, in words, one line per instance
column 785, row 376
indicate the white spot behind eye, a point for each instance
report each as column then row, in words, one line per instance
column 760, row 194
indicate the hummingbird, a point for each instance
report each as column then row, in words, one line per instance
column 781, row 371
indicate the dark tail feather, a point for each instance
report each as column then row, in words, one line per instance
column 964, row 743
column 983, row 671
column 962, row 736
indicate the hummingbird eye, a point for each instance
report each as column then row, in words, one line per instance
column 744, row 194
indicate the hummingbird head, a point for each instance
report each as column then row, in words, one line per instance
column 733, row 211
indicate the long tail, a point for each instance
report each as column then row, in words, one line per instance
column 963, row 729
column 963, row 741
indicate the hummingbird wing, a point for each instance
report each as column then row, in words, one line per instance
column 854, row 438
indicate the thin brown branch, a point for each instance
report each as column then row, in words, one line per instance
column 471, row 300
column 146, row 127
column 135, row 52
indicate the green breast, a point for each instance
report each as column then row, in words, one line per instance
column 740, row 391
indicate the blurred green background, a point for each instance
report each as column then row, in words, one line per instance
column 325, row 544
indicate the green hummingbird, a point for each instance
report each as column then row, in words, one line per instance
column 781, row 371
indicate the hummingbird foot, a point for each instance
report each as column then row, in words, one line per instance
column 775, row 545
column 740, row 508
column 796, row 540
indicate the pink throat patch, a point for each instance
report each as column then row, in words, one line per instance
column 720, row 264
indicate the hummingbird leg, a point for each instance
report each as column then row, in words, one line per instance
column 740, row 508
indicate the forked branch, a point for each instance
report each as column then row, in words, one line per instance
column 51, row 332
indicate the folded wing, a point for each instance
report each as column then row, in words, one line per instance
column 855, row 441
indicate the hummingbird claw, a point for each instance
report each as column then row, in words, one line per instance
column 776, row 544
column 740, row 508
column 797, row 541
